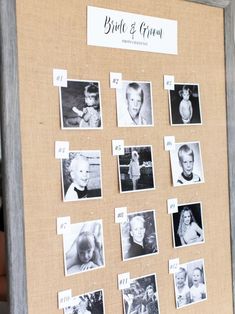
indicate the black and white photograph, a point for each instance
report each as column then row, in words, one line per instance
column 81, row 175
column 187, row 225
column 134, row 104
column 142, row 296
column 186, row 164
column 80, row 105
column 185, row 104
column 83, row 247
column 190, row 283
column 136, row 169
column 139, row 235
column 89, row 303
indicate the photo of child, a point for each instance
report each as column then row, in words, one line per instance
column 89, row 303
column 80, row 105
column 136, row 172
column 83, row 247
column 139, row 235
column 190, row 283
column 142, row 296
column 185, row 105
column 187, row 225
column 186, row 164
column 182, row 293
column 81, row 176
column 134, row 104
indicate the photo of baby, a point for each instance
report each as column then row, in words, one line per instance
column 89, row 303
column 186, row 164
column 83, row 247
column 185, row 105
column 187, row 225
column 134, row 104
column 142, row 296
column 190, row 283
column 136, row 171
column 80, row 105
column 81, row 176
column 139, row 235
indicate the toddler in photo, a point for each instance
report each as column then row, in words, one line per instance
column 90, row 115
column 79, row 172
column 135, row 99
column 185, row 107
column 84, row 253
column 134, row 169
column 182, row 289
column 186, row 160
column 198, row 289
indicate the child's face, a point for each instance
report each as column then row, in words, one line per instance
column 85, row 254
column 180, row 279
column 134, row 102
column 187, row 217
column 187, row 164
column 90, row 99
column 185, row 95
column 137, row 231
column 81, row 173
column 196, row 277
column 150, row 293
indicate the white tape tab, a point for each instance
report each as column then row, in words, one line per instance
column 120, row 215
column 173, row 265
column 172, row 205
column 64, row 298
column 63, row 225
column 169, row 82
column 118, row 147
column 169, row 143
column 61, row 150
column 60, row 78
column 115, row 80
column 124, row 281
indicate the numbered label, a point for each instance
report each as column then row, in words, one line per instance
column 169, row 82
column 173, row 265
column 123, row 281
column 63, row 225
column 172, row 205
column 61, row 150
column 115, row 80
column 118, row 147
column 169, row 143
column 120, row 215
column 60, row 77
column 64, row 298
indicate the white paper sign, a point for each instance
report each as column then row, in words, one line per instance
column 118, row 147
column 60, row 77
column 173, row 265
column 120, row 215
column 169, row 82
column 115, row 80
column 64, row 298
column 117, row 29
column 63, row 225
column 172, row 205
column 61, row 150
column 124, row 281
column 169, row 142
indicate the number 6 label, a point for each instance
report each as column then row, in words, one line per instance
column 118, row 147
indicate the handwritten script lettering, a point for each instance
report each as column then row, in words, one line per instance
column 114, row 26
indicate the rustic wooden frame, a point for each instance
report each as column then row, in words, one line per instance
column 11, row 147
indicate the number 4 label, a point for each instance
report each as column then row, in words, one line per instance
column 169, row 82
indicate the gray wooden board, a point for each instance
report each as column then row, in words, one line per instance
column 11, row 150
